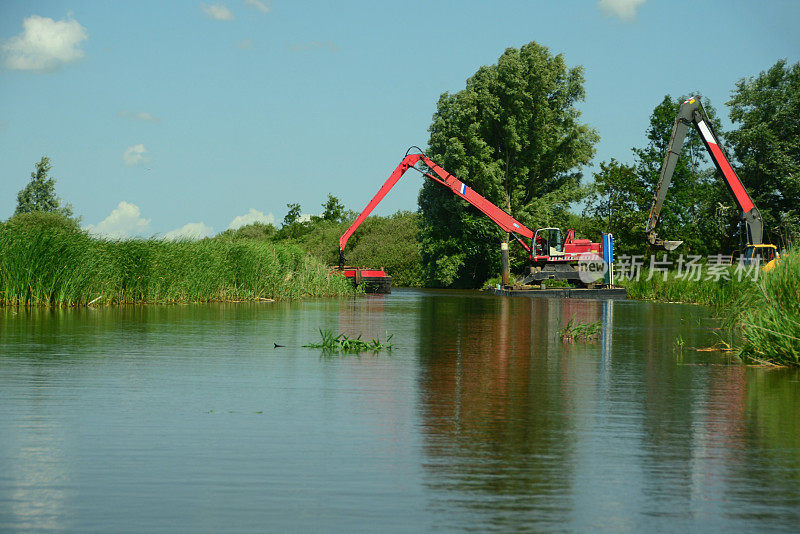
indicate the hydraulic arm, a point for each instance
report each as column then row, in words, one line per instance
column 459, row 188
column 690, row 113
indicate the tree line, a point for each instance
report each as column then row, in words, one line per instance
column 514, row 134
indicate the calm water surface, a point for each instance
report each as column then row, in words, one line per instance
column 186, row 418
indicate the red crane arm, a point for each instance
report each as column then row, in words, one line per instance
column 459, row 188
column 734, row 184
column 409, row 161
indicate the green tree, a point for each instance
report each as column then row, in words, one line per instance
column 40, row 193
column 333, row 210
column 620, row 205
column 293, row 215
column 766, row 112
column 513, row 134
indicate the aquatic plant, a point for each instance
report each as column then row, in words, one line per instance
column 715, row 293
column 578, row 331
column 768, row 315
column 46, row 259
column 343, row 344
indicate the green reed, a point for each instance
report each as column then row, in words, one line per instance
column 578, row 331
column 48, row 260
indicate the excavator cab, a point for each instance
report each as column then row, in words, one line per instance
column 548, row 242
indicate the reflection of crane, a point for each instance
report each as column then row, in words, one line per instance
column 551, row 257
column 691, row 112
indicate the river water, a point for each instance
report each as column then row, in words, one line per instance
column 187, row 418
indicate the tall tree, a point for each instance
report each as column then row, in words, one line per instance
column 766, row 111
column 513, row 134
column 293, row 215
column 40, row 193
column 333, row 210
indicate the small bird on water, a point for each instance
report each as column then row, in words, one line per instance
column 276, row 345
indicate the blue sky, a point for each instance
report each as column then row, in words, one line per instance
column 159, row 115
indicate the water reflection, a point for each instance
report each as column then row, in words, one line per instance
column 498, row 404
column 480, row 419
column 522, row 429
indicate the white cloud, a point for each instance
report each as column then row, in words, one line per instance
column 139, row 116
column 624, row 9
column 313, row 45
column 258, row 4
column 305, row 217
column 217, row 12
column 135, row 155
column 192, row 231
column 253, row 216
column 44, row 44
column 124, row 221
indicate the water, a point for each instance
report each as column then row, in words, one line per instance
column 187, row 418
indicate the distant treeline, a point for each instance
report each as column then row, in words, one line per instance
column 389, row 242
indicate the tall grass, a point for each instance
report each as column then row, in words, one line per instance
column 768, row 314
column 715, row 293
column 48, row 260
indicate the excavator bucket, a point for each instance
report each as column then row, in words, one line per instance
column 663, row 244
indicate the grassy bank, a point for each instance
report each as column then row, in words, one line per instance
column 763, row 315
column 715, row 293
column 768, row 314
column 47, row 260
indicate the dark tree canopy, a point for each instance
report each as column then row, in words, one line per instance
column 514, row 135
column 766, row 111
column 40, row 193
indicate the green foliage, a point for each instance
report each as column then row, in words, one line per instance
column 768, row 314
column 40, row 193
column 575, row 330
column 391, row 243
column 257, row 230
column 293, row 215
column 766, row 109
column 333, row 210
column 698, row 209
column 48, row 260
column 347, row 345
column 718, row 294
column 513, row 134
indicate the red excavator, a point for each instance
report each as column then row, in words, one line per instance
column 691, row 113
column 551, row 257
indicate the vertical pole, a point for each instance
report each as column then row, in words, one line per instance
column 505, row 270
column 608, row 259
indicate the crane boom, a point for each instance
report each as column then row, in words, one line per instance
column 690, row 112
column 456, row 186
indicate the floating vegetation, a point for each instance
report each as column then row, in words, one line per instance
column 347, row 345
column 577, row 331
